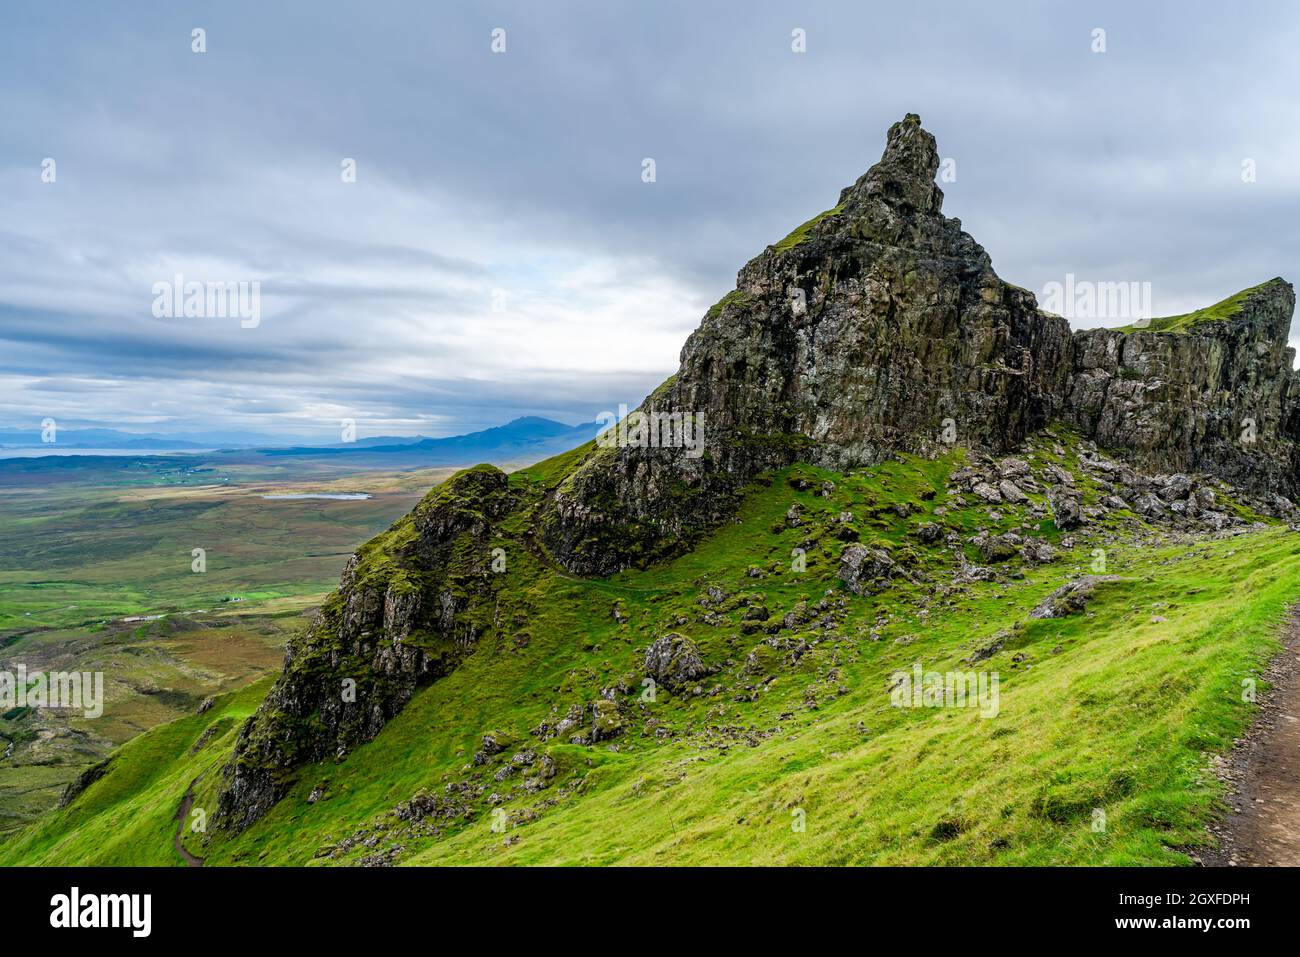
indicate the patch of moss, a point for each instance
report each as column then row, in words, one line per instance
column 734, row 298
column 1188, row 321
column 801, row 233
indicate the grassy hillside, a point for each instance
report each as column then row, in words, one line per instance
column 1109, row 715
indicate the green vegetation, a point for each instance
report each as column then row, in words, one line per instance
column 128, row 816
column 734, row 298
column 1218, row 312
column 802, row 232
column 1115, row 710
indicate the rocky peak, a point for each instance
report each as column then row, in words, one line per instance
column 881, row 327
column 904, row 177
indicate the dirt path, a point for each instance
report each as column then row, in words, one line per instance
column 1264, row 774
column 182, row 815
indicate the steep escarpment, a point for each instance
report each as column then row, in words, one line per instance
column 410, row 605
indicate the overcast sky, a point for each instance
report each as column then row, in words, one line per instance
column 499, row 253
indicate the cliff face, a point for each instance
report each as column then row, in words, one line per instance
column 878, row 327
column 410, row 605
column 1218, row 396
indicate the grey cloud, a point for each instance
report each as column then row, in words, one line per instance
column 477, row 171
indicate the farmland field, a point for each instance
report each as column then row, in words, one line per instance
column 97, row 573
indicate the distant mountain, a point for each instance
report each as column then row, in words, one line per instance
column 529, row 438
column 526, row 438
column 95, row 438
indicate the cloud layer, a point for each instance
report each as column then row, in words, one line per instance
column 499, row 253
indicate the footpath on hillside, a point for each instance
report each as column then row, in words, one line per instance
column 1263, row 772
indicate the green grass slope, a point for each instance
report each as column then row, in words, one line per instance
column 1189, row 321
column 791, row 752
column 128, row 816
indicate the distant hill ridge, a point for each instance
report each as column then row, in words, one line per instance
column 522, row 434
column 527, row 438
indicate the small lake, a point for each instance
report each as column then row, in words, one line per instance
column 331, row 496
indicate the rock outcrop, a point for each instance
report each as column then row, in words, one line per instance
column 866, row 570
column 1072, row 597
column 1218, row 396
column 673, row 660
column 879, row 327
column 411, row 604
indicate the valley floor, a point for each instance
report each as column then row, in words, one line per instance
column 98, row 577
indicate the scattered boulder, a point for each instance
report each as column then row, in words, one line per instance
column 1039, row 552
column 1070, row 598
column 494, row 742
column 1011, row 492
column 1149, row 507
column 673, row 660
column 606, row 721
column 865, row 570
column 1176, row 487
column 1013, row 469
column 968, row 573
column 989, row 647
column 928, row 532
column 1066, row 512
column 1058, row 476
column 566, row 724
column 997, row 548
column 1218, row 521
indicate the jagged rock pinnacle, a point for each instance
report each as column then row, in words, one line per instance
column 905, row 174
